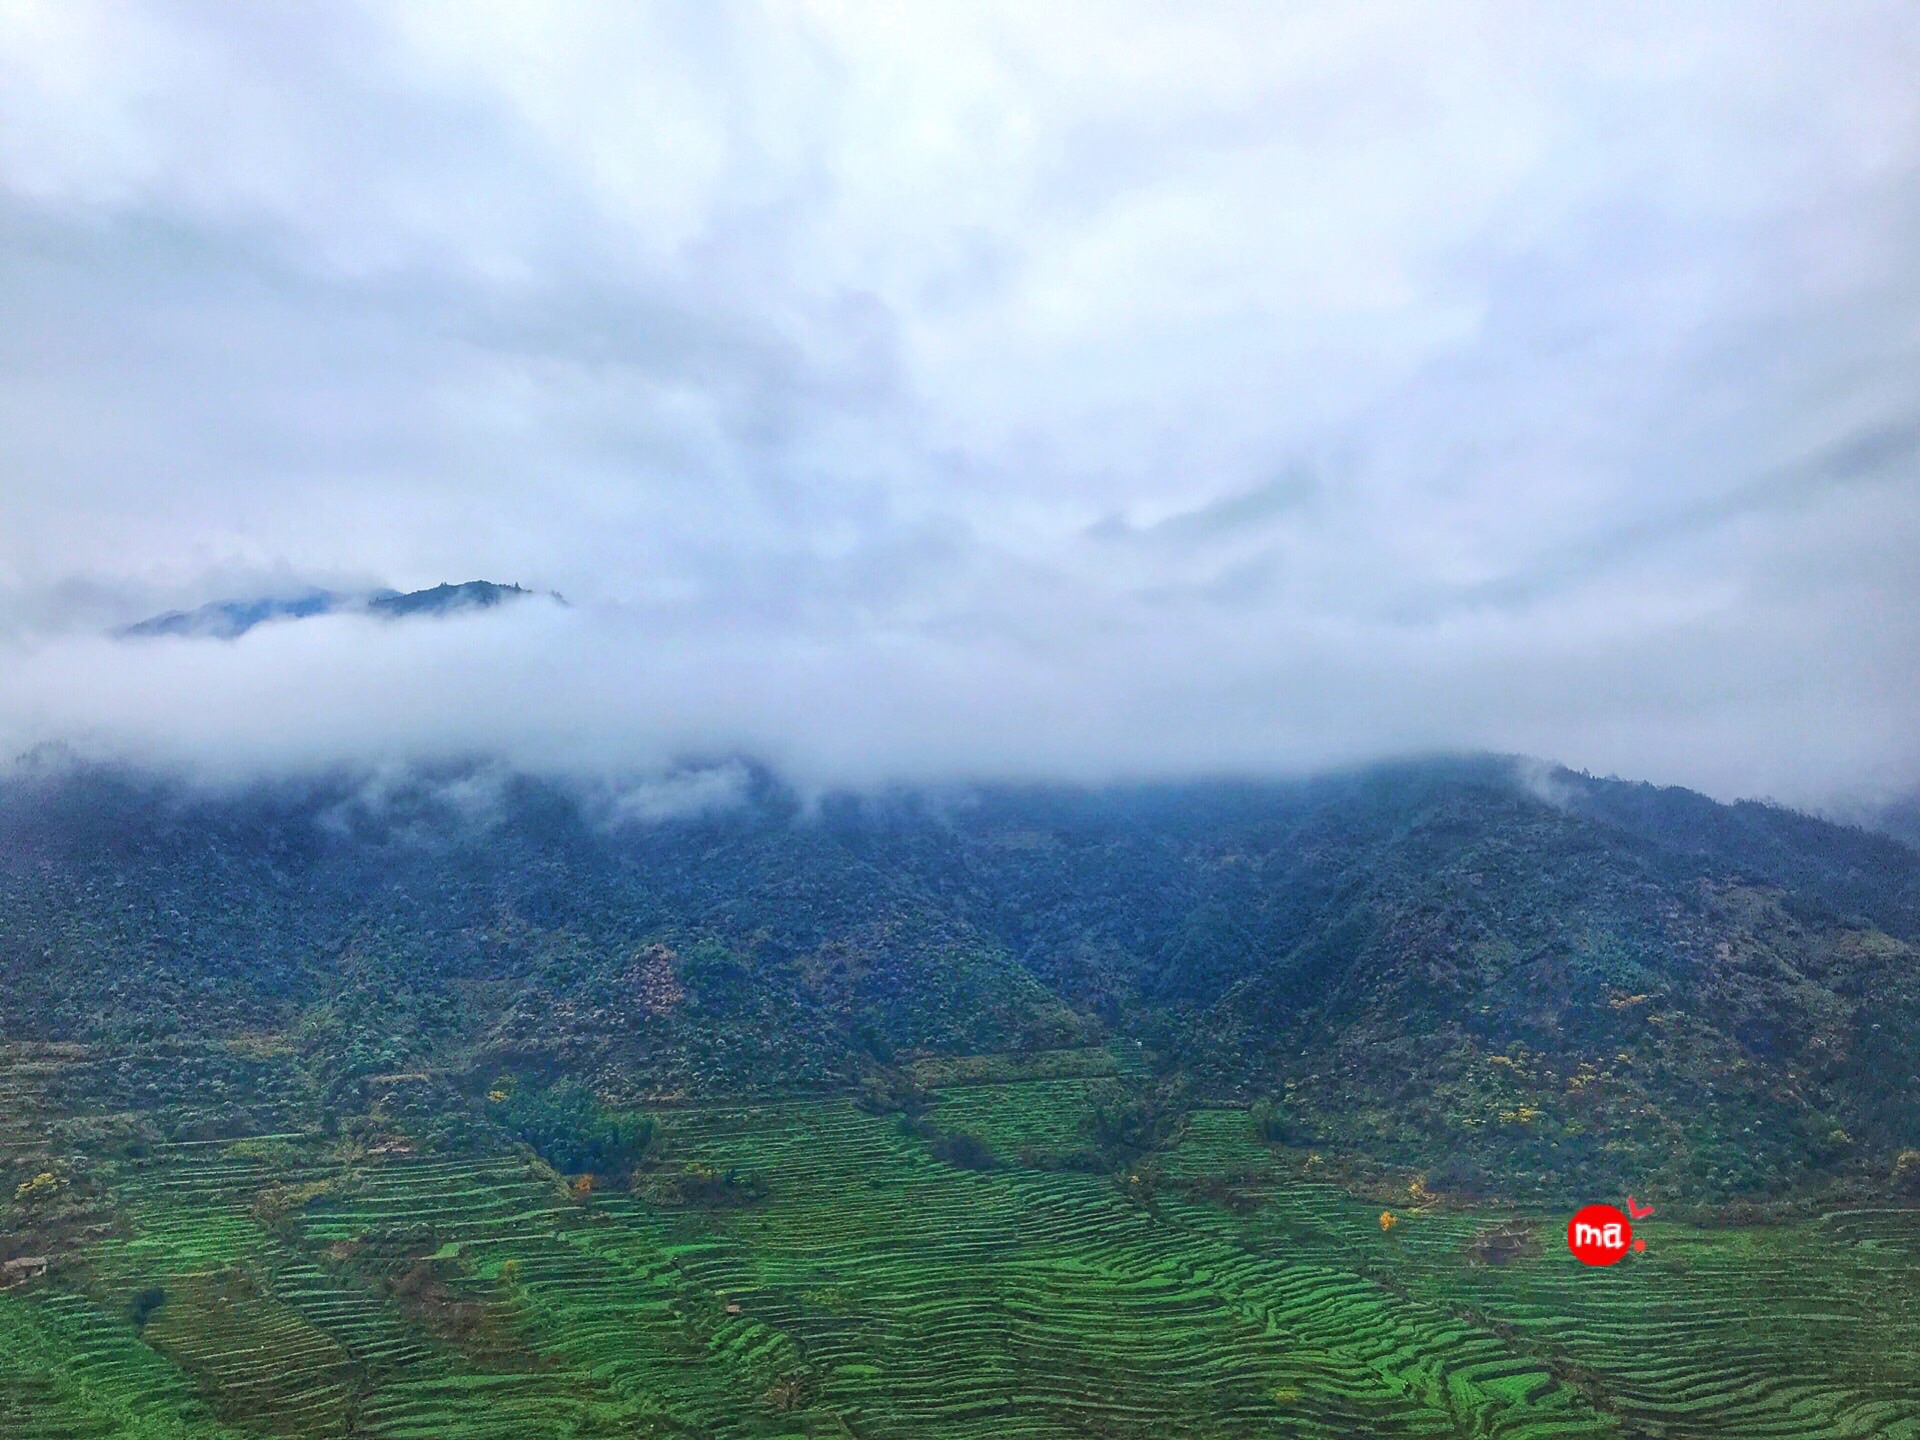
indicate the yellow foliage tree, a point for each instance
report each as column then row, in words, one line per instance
column 38, row 1188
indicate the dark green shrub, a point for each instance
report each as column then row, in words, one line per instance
column 141, row 1310
column 1459, row 1178
column 569, row 1130
column 698, row 1183
column 964, row 1149
column 885, row 1094
column 1123, row 1126
column 1269, row 1121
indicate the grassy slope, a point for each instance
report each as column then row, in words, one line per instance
column 876, row 1291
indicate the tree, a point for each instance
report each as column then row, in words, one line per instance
column 565, row 1124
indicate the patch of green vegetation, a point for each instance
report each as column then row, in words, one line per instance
column 141, row 1309
column 569, row 1128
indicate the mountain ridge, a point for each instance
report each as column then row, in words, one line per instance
column 230, row 619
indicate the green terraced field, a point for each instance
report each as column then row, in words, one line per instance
column 873, row 1290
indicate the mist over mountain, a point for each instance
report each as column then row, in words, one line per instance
column 1345, row 387
column 1899, row 818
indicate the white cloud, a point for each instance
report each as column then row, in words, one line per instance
column 854, row 366
column 679, row 793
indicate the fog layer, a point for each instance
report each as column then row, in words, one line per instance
column 971, row 390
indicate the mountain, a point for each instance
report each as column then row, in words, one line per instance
column 445, row 599
column 460, row 1103
column 1522, row 990
column 228, row 619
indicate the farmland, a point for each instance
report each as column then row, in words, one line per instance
column 851, row 1282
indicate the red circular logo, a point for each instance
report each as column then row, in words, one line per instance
column 1599, row 1235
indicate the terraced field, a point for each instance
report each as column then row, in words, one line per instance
column 869, row 1289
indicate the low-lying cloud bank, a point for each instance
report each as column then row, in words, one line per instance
column 597, row 692
column 971, row 389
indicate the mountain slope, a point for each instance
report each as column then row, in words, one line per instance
column 1431, row 966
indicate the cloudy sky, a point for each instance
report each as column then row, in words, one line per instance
column 926, row 390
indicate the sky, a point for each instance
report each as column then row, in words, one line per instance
column 934, row 391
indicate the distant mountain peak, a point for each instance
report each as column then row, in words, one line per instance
column 229, row 619
column 444, row 599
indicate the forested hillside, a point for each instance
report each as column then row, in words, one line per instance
column 1527, row 988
